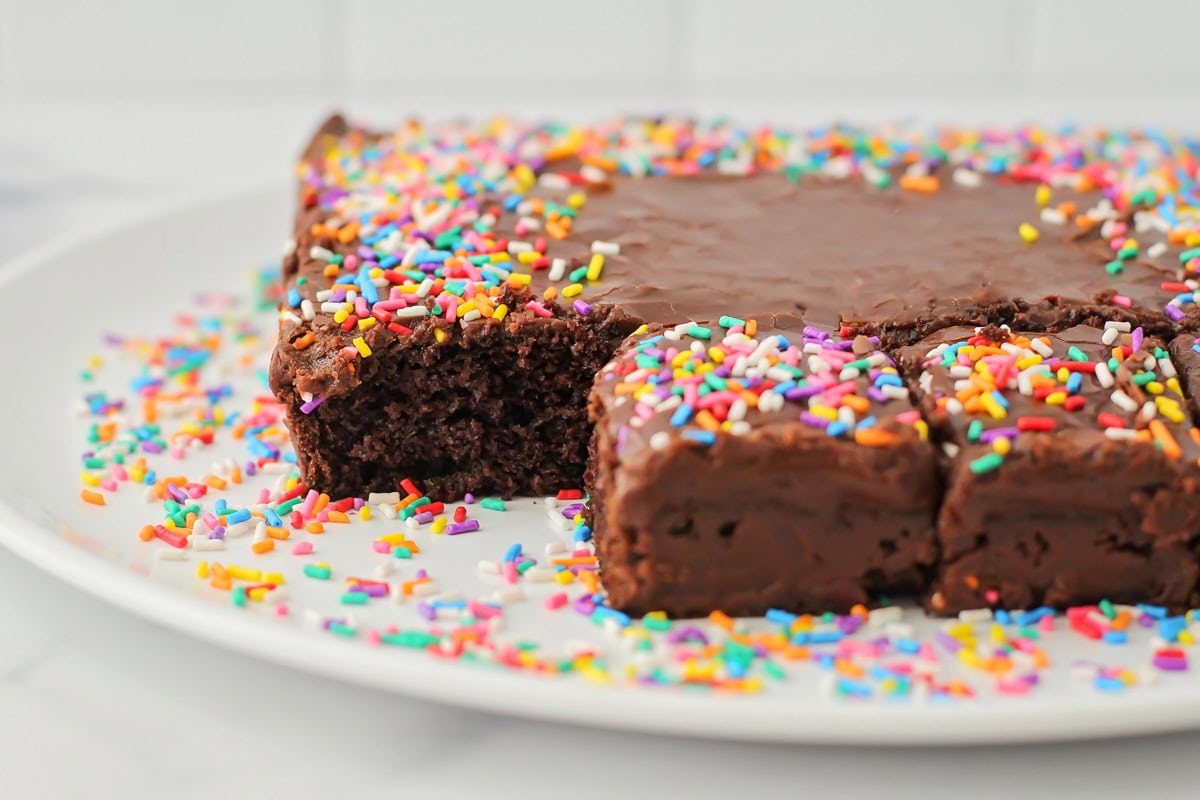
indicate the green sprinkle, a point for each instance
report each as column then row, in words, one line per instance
column 418, row 639
column 1114, row 268
column 577, row 275
column 355, row 598
column 696, row 332
column 523, row 566
column 286, row 508
column 401, row 552
column 715, row 381
column 774, row 670
column 656, row 623
column 238, row 595
column 730, row 322
column 1142, row 378
column 93, row 463
column 320, row 573
column 974, row 430
column 1106, row 608
column 1075, row 354
column 1188, row 255
column 342, row 630
column 859, row 364
column 986, row 463
column 492, row 503
column 1126, row 253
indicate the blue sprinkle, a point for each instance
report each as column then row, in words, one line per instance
column 780, row 616
column 707, row 438
column 272, row 518
column 238, row 516
column 1116, row 637
column 512, row 552
column 682, row 414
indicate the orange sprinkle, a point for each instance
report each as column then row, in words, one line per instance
column 304, row 341
column 927, row 184
column 146, row 533
column 215, row 482
column 721, row 620
column 1163, row 436
column 278, row 533
column 95, row 498
column 314, row 527
column 338, row 516
column 265, row 546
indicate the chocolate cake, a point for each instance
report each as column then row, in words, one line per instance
column 453, row 291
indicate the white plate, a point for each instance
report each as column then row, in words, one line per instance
column 132, row 279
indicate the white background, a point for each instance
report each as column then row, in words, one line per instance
column 110, row 107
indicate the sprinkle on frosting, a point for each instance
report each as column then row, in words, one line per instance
column 711, row 380
column 1132, row 395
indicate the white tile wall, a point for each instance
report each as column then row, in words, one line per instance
column 819, row 55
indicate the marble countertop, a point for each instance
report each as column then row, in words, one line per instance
column 94, row 702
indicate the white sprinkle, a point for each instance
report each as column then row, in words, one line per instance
column 1149, row 411
column 1123, row 401
column 170, row 554
column 1123, row 327
column 1157, row 249
column 1104, row 375
column 1110, row 335
column 375, row 498
column 204, row 543
column 606, row 248
column 950, row 449
column 1041, row 348
column 320, row 253
column 554, row 548
column 410, row 312
column 552, row 180
column 883, row 616
column 1052, row 216
column 489, row 567
column 975, row 615
column 1167, row 368
column 966, row 177
column 388, row 510
column 383, row 569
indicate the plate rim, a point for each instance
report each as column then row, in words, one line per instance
column 517, row 693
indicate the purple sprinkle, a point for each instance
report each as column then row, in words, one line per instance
column 582, row 307
column 1138, row 338
column 947, row 641
column 462, row 527
column 251, row 468
column 468, row 498
column 687, row 633
column 584, row 604
column 311, row 405
column 877, row 395
column 426, row 612
column 811, row 332
column 217, row 532
column 1170, row 663
column 987, row 437
column 801, row 392
column 424, row 516
column 422, row 574
column 152, row 447
column 809, row 418
column 1174, row 313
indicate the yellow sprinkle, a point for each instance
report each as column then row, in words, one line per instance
column 572, row 290
column 1056, row 399
column 576, row 199
column 257, row 594
column 1028, row 233
column 716, row 354
column 1042, row 196
column 1186, row 637
column 1001, row 445
column 1029, row 361
column 1173, row 387
column 564, row 577
column 244, row 573
column 1169, row 409
column 922, row 429
column 595, row 266
column 273, row 577
column 439, row 525
column 89, row 479
column 498, row 258
column 365, row 323
column 519, row 279
column 360, row 344
column 1154, row 387
column 202, row 569
column 340, row 315
column 364, row 513
column 992, row 407
column 439, row 334
column 501, row 312
column 824, row 412
column 528, row 257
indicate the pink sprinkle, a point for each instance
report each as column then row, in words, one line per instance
column 510, row 571
column 373, row 637
column 177, row 453
column 1122, row 300
column 120, row 473
column 1046, row 624
column 927, row 653
column 281, row 610
column 302, row 548
column 264, row 496
column 556, row 601
column 108, row 484
column 381, row 547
